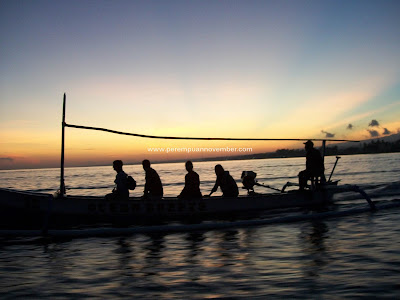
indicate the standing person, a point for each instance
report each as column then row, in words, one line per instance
column 226, row 182
column 192, row 183
column 153, row 186
column 314, row 165
column 120, row 191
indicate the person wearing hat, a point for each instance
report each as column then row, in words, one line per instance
column 314, row 165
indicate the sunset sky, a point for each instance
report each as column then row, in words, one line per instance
column 254, row 69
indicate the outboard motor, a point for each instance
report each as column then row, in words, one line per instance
column 248, row 180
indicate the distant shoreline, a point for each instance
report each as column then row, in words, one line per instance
column 375, row 146
column 268, row 155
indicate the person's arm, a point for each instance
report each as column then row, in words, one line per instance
column 183, row 192
column 119, row 182
column 214, row 189
column 115, row 184
column 146, row 185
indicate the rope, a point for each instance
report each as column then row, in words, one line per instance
column 193, row 138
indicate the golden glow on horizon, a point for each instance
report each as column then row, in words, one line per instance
column 84, row 147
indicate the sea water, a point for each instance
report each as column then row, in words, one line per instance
column 356, row 256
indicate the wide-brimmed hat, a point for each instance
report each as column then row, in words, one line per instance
column 309, row 142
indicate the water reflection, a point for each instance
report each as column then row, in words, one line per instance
column 314, row 259
column 155, row 246
column 58, row 261
column 195, row 247
column 312, row 237
column 124, row 251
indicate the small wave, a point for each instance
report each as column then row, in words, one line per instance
column 369, row 172
column 277, row 178
column 385, row 190
column 45, row 191
column 173, row 184
column 89, row 187
column 374, row 191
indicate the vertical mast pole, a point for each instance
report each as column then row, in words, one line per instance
column 62, row 184
column 323, row 153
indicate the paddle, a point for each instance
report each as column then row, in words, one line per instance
column 330, row 176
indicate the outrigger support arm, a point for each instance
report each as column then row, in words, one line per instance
column 355, row 188
column 267, row 186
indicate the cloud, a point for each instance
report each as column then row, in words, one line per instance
column 374, row 123
column 350, row 126
column 6, row 159
column 328, row 134
column 373, row 133
column 386, row 131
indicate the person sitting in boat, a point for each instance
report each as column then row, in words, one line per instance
column 153, row 187
column 120, row 190
column 314, row 165
column 192, row 183
column 226, row 182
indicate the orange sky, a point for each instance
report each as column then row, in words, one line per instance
column 268, row 69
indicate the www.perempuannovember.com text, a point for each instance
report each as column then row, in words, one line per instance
column 199, row 149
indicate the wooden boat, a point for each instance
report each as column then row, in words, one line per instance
column 35, row 209
column 19, row 209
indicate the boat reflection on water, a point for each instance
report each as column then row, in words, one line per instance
column 312, row 241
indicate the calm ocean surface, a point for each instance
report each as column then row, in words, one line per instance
column 356, row 256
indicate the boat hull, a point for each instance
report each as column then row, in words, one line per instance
column 24, row 209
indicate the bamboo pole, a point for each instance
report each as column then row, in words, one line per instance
column 62, row 183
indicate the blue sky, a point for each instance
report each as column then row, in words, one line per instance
column 279, row 69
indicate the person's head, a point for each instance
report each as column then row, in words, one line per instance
column 117, row 165
column 308, row 145
column 189, row 166
column 146, row 164
column 219, row 170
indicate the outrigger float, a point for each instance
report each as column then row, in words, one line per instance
column 44, row 212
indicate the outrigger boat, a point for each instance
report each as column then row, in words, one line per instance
column 28, row 210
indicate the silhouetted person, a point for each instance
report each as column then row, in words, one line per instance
column 225, row 182
column 153, row 186
column 314, row 165
column 192, row 183
column 120, row 191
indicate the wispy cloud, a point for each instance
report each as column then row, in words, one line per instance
column 328, row 134
column 6, row 159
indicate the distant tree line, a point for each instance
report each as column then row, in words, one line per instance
column 375, row 146
column 378, row 146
